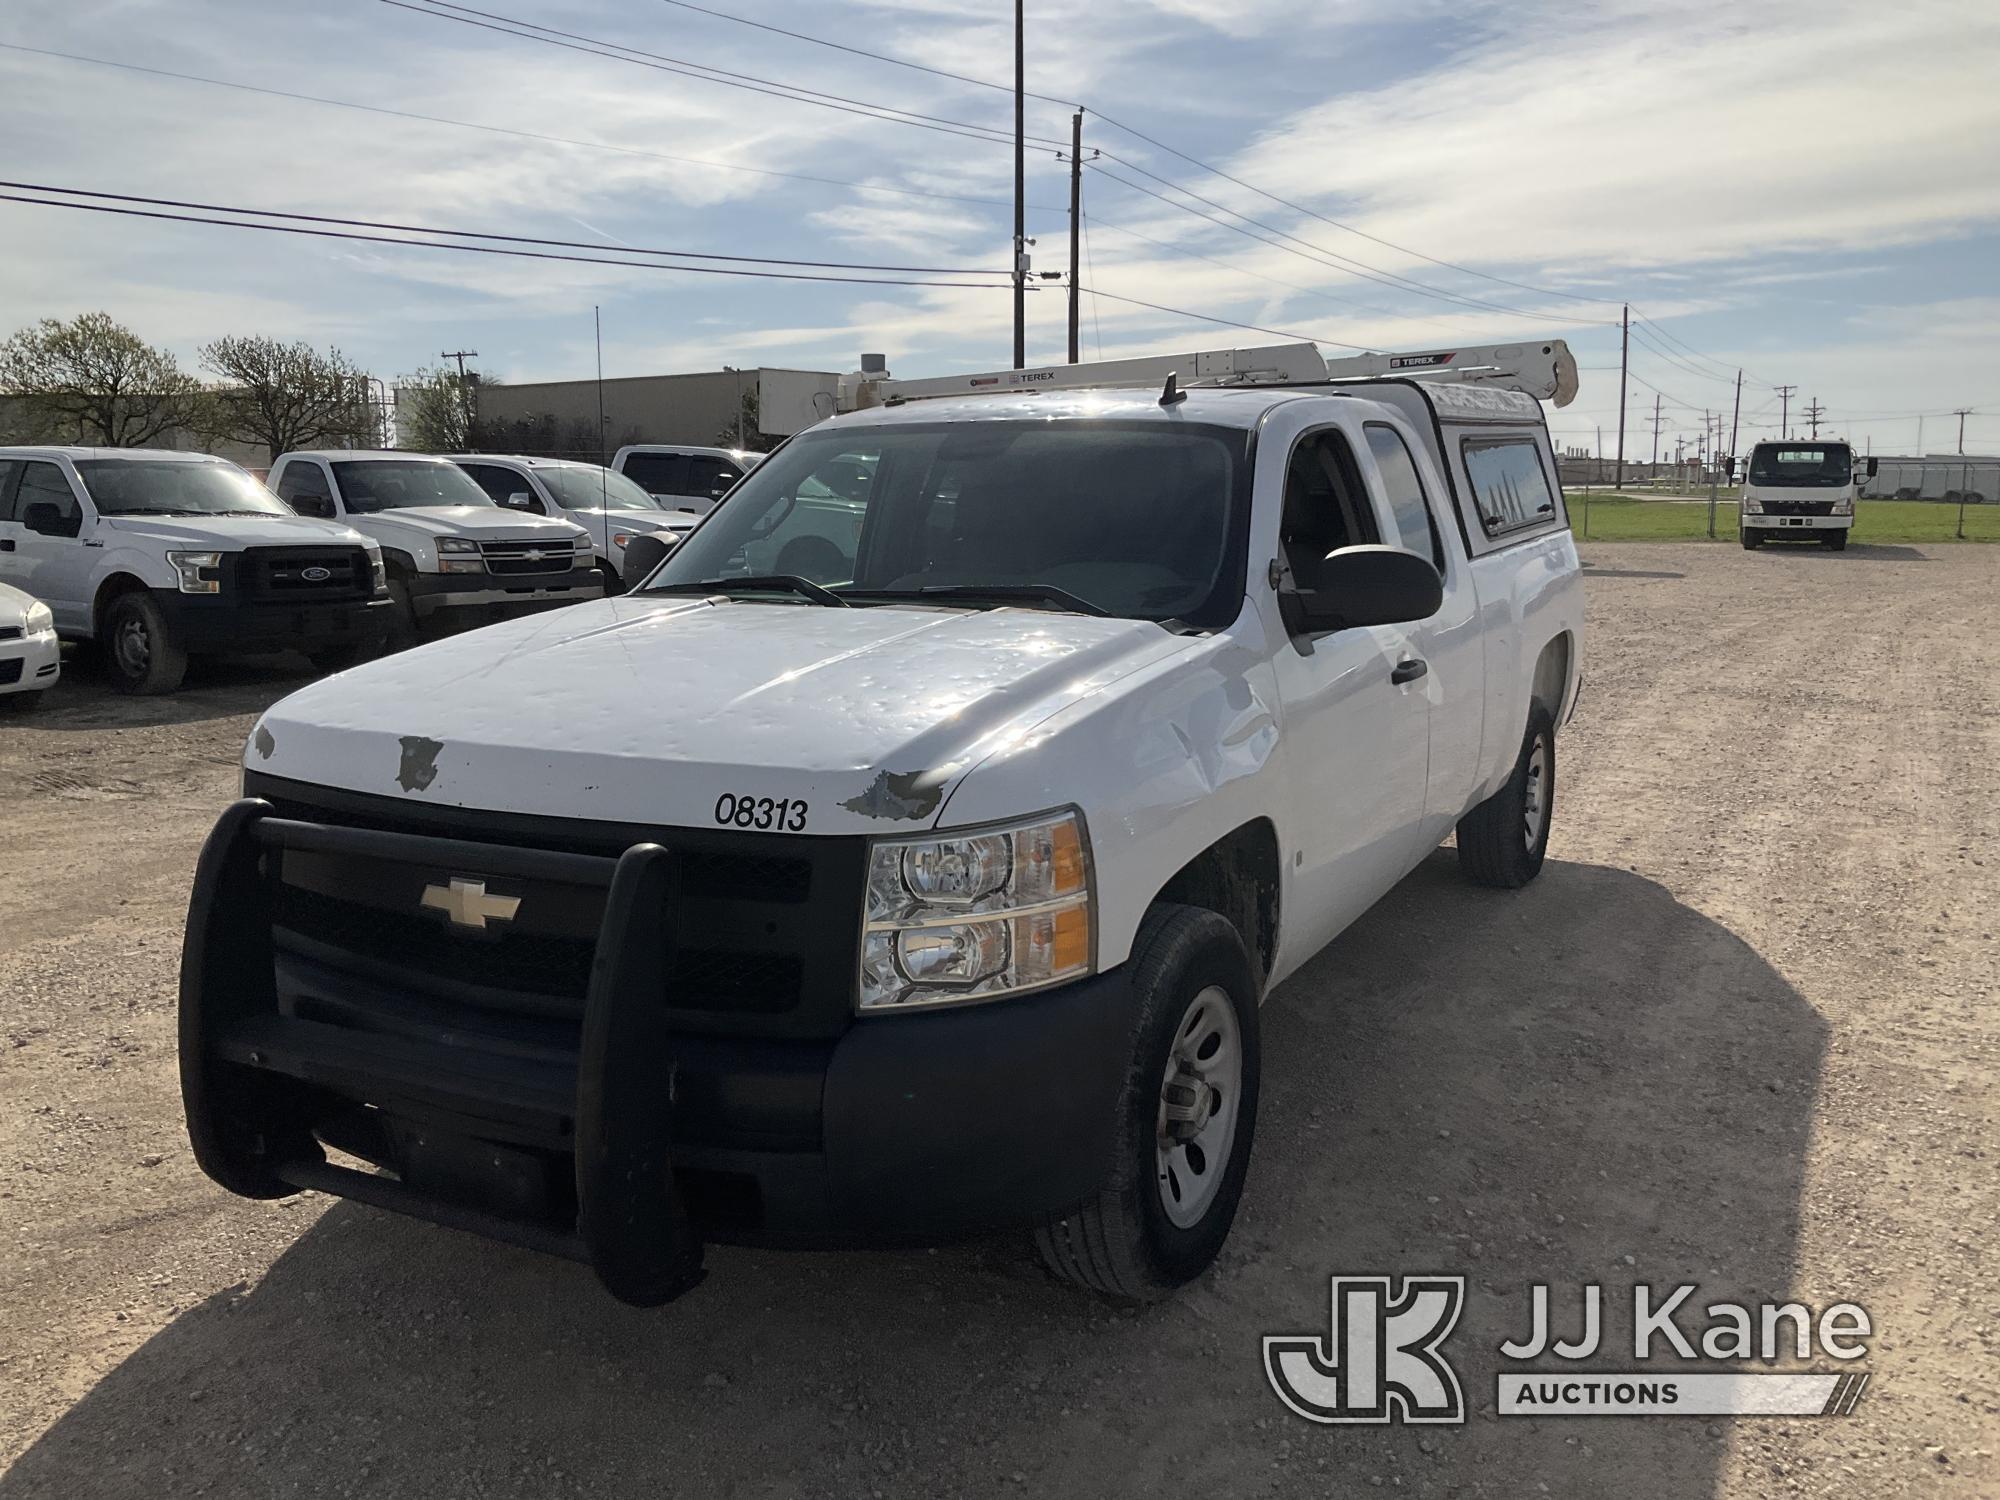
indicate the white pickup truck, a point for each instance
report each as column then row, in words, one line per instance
column 454, row 558
column 936, row 898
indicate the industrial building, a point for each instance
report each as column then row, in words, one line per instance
column 723, row 408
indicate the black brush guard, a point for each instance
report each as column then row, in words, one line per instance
column 248, row 1073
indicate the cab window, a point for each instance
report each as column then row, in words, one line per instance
column 303, row 487
column 657, row 473
column 45, row 484
column 9, row 467
column 1416, row 530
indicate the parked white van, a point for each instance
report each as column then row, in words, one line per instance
column 161, row 555
column 604, row 502
column 454, row 558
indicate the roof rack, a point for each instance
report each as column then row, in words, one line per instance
column 1544, row 369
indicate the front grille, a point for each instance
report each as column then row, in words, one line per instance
column 1798, row 507
column 305, row 575
column 767, row 929
column 527, row 559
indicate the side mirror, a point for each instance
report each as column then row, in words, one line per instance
column 1874, row 467
column 521, row 500
column 1370, row 585
column 46, row 518
column 643, row 554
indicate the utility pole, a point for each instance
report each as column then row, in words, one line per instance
column 1785, row 411
column 1656, row 429
column 1624, row 353
column 464, row 386
column 1020, row 190
column 1075, row 229
column 1812, row 414
column 1735, row 412
column 1962, row 413
column 597, row 327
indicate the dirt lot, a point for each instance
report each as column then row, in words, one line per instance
column 1742, row 1032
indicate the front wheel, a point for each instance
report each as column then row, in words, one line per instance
column 1186, row 1117
column 1752, row 538
column 1502, row 841
column 140, row 650
column 1835, row 540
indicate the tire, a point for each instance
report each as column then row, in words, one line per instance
column 1502, row 841
column 1835, row 541
column 1160, row 1216
column 1752, row 538
column 402, row 629
column 141, row 654
column 613, row 584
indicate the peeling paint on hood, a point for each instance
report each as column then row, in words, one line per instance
column 653, row 709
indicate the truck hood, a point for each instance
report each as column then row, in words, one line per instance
column 232, row 533
column 487, row 522
column 655, row 710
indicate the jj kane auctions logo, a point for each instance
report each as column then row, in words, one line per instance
column 1382, row 1359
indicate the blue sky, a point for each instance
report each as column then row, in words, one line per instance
column 1804, row 190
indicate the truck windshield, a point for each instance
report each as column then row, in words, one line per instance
column 587, row 487
column 141, row 487
column 1125, row 518
column 1819, row 464
column 369, row 485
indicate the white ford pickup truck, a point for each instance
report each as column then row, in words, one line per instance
column 934, row 896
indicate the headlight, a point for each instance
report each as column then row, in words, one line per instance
column 976, row 916
column 1752, row 506
column 39, row 619
column 457, row 544
column 200, row 572
column 1843, row 507
column 458, row 555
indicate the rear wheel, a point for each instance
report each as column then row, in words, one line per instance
column 140, row 650
column 1502, row 841
column 1186, row 1117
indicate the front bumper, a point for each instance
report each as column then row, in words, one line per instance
column 30, row 663
column 224, row 622
column 628, row 1146
column 1797, row 523
column 465, row 599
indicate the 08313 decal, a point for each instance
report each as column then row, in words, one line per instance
column 737, row 810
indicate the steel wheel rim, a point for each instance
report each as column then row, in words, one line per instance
column 135, row 647
column 1200, row 1101
column 1535, row 797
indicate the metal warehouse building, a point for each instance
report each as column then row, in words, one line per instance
column 718, row 407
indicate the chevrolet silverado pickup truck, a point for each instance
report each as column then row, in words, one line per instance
column 454, row 558
column 933, row 895
column 156, row 556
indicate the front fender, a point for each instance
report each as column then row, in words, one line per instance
column 1164, row 764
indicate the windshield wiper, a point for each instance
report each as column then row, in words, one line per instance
column 789, row 583
column 989, row 593
column 157, row 510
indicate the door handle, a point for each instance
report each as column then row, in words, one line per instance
column 1409, row 671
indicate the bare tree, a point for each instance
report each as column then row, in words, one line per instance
column 437, row 411
column 286, row 396
column 92, row 380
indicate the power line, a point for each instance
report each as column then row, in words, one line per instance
column 380, row 239
column 478, row 234
column 528, row 135
column 1181, row 312
column 900, row 62
column 659, row 62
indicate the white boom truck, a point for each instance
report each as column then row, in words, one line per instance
column 933, row 895
column 1801, row 491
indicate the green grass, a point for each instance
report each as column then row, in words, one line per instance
column 1620, row 518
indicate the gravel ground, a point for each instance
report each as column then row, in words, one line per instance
column 1741, row 1032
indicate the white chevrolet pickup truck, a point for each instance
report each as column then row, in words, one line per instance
column 932, row 897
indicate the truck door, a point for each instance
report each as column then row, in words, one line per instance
column 1416, row 510
column 53, row 549
column 1356, row 724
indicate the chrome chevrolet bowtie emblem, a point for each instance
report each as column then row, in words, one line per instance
column 467, row 904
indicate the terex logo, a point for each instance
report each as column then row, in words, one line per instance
column 1382, row 1362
